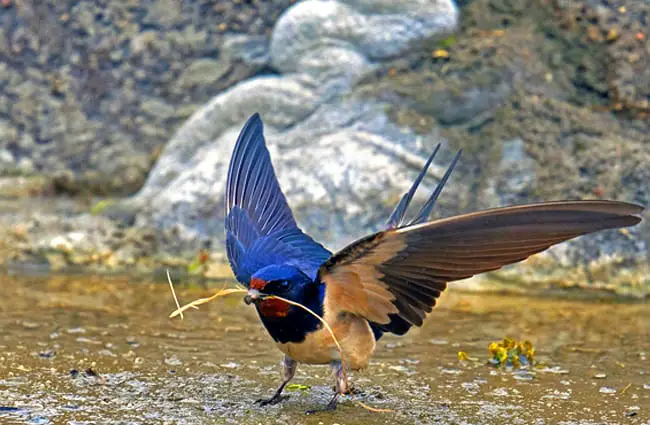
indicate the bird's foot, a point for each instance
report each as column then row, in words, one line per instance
column 330, row 406
column 355, row 391
column 352, row 390
column 277, row 398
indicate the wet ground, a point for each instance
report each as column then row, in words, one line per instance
column 91, row 350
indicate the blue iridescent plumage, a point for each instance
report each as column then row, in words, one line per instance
column 260, row 228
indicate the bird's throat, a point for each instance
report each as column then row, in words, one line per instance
column 274, row 308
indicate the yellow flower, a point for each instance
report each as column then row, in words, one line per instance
column 510, row 351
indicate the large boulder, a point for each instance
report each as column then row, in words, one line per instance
column 341, row 161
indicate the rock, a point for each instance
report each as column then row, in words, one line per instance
column 157, row 109
column 56, row 261
column 620, row 37
column 513, row 180
column 22, row 187
column 6, row 158
column 65, row 243
column 253, row 50
column 25, row 165
column 163, row 13
column 607, row 390
column 203, row 72
column 8, row 133
column 143, row 41
column 26, row 142
column 190, row 39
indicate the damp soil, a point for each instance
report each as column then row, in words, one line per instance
column 101, row 350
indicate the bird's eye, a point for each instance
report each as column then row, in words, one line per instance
column 283, row 284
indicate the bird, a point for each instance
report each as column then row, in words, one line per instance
column 386, row 282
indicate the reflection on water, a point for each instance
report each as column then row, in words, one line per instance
column 81, row 350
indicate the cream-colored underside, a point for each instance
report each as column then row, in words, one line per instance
column 352, row 332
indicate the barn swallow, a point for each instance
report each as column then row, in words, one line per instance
column 385, row 282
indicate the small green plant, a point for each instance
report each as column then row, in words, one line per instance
column 298, row 387
column 100, row 206
column 446, row 43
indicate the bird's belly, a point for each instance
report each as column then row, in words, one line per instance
column 353, row 334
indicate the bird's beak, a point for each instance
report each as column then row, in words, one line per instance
column 253, row 296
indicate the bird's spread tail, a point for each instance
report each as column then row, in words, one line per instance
column 397, row 219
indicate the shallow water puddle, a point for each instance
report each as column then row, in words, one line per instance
column 96, row 350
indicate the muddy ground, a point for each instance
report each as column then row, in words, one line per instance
column 87, row 350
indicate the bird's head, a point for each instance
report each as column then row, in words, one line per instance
column 280, row 280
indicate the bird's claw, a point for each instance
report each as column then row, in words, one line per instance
column 277, row 398
column 352, row 390
column 355, row 391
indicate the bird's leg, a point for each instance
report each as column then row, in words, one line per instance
column 341, row 388
column 290, row 366
column 342, row 384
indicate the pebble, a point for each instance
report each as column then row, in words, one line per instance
column 470, row 387
column 173, row 361
column 523, row 375
column 30, row 325
column 607, row 390
column 203, row 73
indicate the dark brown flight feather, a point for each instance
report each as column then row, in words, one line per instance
column 402, row 271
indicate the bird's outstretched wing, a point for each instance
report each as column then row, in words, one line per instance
column 392, row 278
column 260, row 228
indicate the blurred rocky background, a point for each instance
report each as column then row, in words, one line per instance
column 117, row 119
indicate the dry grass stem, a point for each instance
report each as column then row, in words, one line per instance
column 373, row 409
column 171, row 286
column 196, row 303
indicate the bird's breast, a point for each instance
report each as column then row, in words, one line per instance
column 353, row 334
